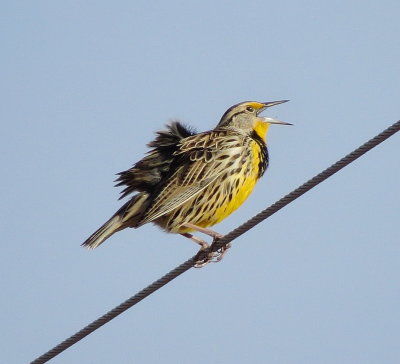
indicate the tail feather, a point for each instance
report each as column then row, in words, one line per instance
column 127, row 216
column 104, row 232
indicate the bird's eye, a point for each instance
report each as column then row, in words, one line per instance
column 250, row 109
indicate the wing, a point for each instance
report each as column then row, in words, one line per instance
column 199, row 161
column 148, row 172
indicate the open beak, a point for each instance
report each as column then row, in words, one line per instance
column 273, row 103
column 271, row 120
column 275, row 121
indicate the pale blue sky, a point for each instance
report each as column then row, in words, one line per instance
column 85, row 85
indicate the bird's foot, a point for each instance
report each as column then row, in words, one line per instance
column 205, row 255
column 221, row 252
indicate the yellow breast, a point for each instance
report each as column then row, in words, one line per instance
column 245, row 187
column 233, row 189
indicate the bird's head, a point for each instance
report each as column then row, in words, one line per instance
column 245, row 116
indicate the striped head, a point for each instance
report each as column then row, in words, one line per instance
column 245, row 116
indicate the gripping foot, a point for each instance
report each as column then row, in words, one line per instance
column 205, row 256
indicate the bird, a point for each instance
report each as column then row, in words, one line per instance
column 190, row 181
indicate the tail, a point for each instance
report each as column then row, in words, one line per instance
column 127, row 216
column 110, row 227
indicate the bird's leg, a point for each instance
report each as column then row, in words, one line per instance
column 214, row 256
column 200, row 229
column 204, row 246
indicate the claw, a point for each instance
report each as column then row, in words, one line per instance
column 210, row 257
column 214, row 257
column 221, row 252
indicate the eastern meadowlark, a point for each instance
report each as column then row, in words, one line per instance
column 188, row 181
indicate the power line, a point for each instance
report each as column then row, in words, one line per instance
column 349, row 158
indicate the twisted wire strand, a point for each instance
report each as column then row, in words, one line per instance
column 145, row 292
column 218, row 244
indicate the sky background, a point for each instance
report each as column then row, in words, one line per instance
column 84, row 86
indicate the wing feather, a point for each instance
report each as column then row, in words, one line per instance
column 198, row 164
